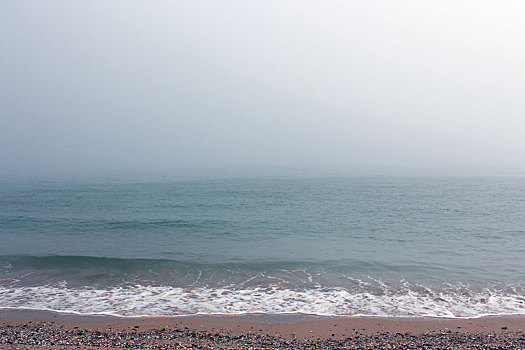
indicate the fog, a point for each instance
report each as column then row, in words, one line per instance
column 262, row 87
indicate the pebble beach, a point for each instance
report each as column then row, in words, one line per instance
column 47, row 330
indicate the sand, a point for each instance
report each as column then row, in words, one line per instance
column 25, row 329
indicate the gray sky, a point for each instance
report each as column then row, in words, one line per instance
column 333, row 86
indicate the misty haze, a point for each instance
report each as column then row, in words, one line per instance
column 355, row 87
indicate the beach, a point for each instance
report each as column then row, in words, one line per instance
column 29, row 329
column 262, row 175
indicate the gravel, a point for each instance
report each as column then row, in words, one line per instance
column 46, row 335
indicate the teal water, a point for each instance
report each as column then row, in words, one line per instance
column 347, row 246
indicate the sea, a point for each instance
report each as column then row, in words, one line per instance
column 380, row 246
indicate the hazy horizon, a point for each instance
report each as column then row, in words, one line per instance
column 243, row 88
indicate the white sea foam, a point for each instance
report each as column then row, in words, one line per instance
column 141, row 300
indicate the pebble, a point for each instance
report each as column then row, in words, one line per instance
column 43, row 335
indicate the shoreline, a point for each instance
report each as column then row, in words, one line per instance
column 255, row 330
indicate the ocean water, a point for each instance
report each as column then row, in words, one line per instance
column 451, row 247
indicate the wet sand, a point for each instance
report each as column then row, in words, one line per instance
column 26, row 329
